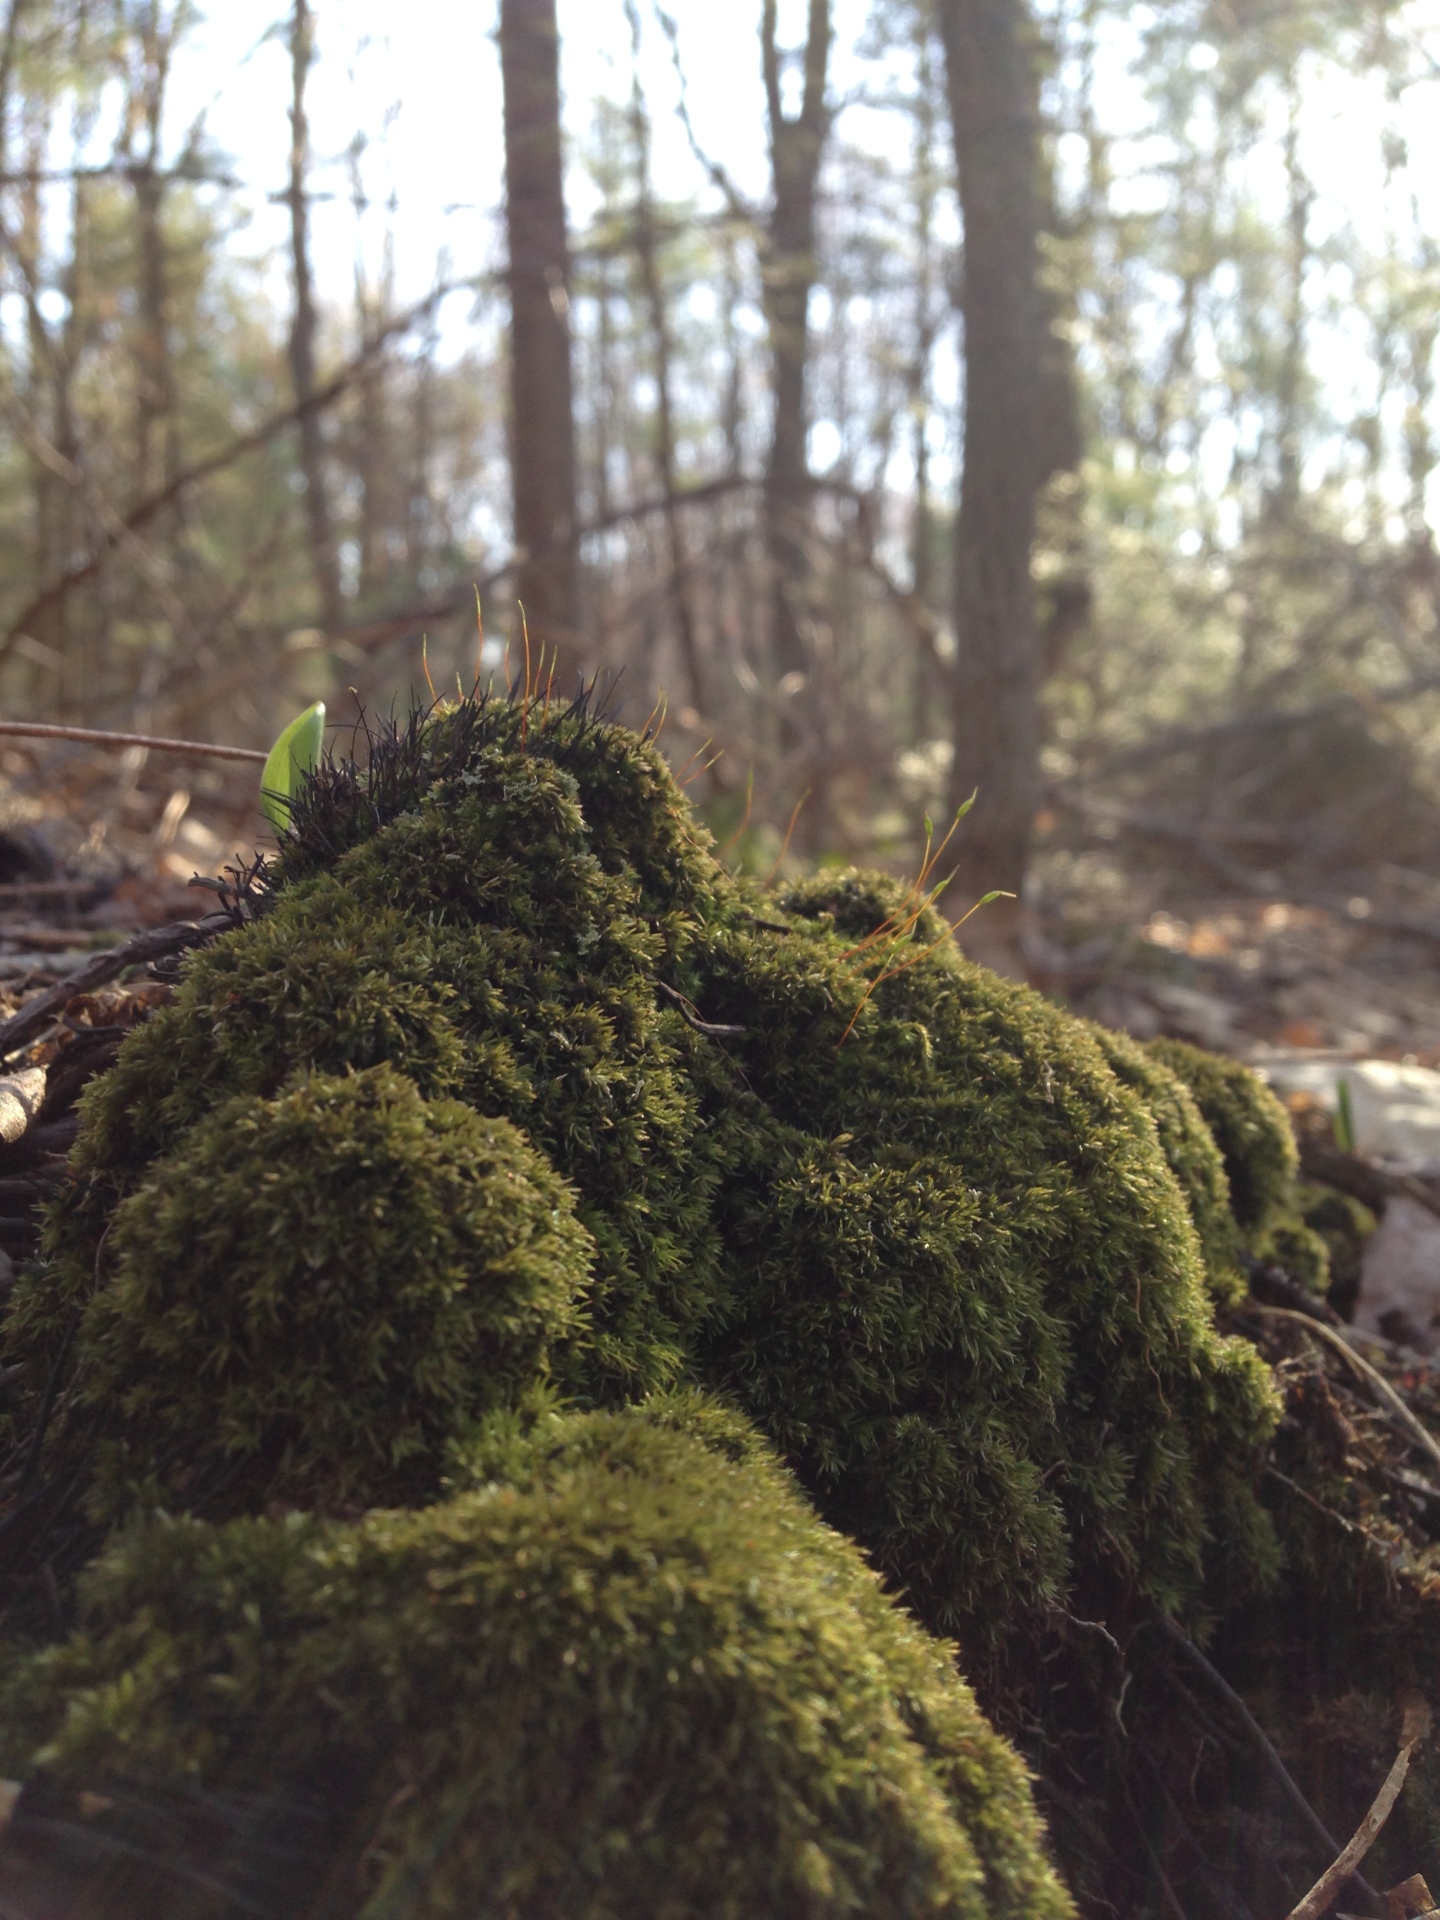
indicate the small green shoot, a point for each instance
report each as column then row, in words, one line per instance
column 294, row 754
column 1344, row 1117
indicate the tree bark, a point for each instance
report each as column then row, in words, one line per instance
column 542, row 425
column 788, row 274
column 324, row 563
column 156, row 454
column 991, row 83
column 647, row 254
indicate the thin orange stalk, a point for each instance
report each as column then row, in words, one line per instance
column 745, row 816
column 694, row 756
column 705, row 769
column 785, row 843
column 525, row 697
column 425, row 663
column 893, row 973
column 479, row 643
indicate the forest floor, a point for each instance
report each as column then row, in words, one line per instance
column 1249, row 973
column 95, row 847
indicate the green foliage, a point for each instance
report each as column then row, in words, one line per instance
column 313, row 1295
column 627, row 1673
column 295, row 754
column 1250, row 1128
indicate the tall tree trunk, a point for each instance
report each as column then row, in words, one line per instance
column 155, row 450
column 917, row 383
column 324, row 563
column 788, row 273
column 647, row 253
column 993, row 92
column 542, row 424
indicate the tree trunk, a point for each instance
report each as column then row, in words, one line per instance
column 320, row 528
column 647, row 253
column 996, row 679
column 156, row 453
column 542, row 426
column 917, row 382
column 788, row 274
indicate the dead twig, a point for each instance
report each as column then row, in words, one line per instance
column 1417, row 1434
column 157, row 743
column 33, row 1018
column 692, row 1018
column 1318, row 1899
column 1263, row 1744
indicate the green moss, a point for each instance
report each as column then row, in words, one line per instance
column 775, row 1738
column 1250, row 1128
column 313, row 1296
column 1190, row 1152
column 511, row 1092
column 964, row 1290
column 1344, row 1225
column 1301, row 1251
column 914, row 1224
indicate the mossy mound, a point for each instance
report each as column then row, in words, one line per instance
column 903, row 1212
column 626, row 1674
column 1248, row 1125
column 1191, row 1154
column 313, row 1297
column 510, row 1095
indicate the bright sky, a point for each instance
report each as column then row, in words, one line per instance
column 419, row 86
column 422, row 84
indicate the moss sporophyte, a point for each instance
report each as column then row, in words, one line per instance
column 489, row 1301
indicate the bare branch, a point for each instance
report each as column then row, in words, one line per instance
column 189, row 477
column 157, row 743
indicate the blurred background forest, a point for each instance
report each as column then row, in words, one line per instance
column 911, row 396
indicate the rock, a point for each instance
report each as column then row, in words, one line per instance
column 1394, row 1109
column 1400, row 1277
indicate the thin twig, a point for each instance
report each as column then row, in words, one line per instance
column 1183, row 1644
column 692, row 1018
column 32, row 1019
column 1418, row 1435
column 1417, row 1725
column 96, row 737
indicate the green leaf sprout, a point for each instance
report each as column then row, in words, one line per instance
column 293, row 755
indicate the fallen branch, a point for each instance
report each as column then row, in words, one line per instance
column 1417, row 1725
column 33, row 1018
column 92, row 736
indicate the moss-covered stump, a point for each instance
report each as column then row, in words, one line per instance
column 511, row 1100
column 627, row 1674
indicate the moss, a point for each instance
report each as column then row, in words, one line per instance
column 1191, row 1154
column 1250, row 1128
column 776, row 1738
column 914, row 1224
column 312, row 1296
column 965, row 1293
column 1344, row 1225
column 1302, row 1253
column 952, row 1252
